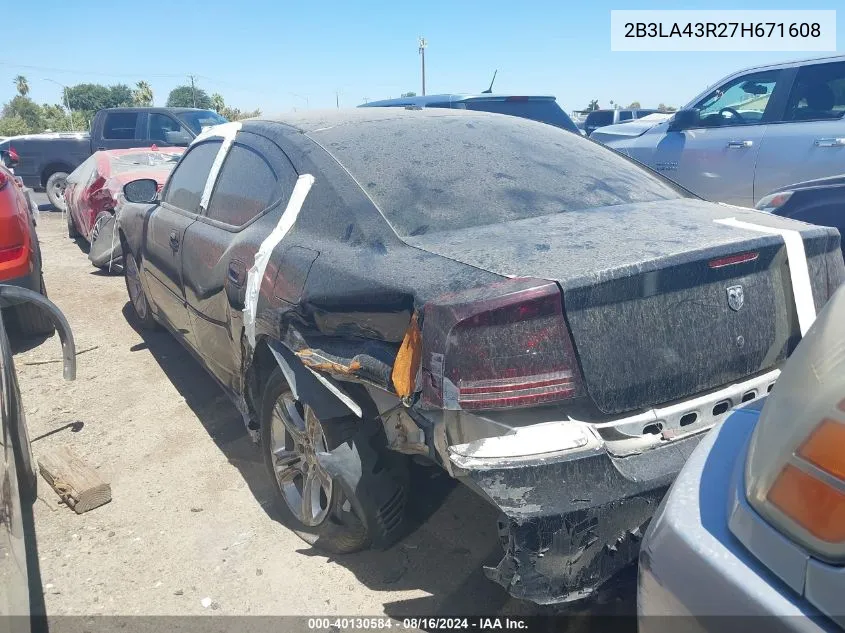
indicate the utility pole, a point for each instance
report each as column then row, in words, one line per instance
column 193, row 91
column 423, row 44
column 337, row 99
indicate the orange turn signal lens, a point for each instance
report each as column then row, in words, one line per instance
column 826, row 448
column 814, row 505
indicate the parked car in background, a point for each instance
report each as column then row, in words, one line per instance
column 820, row 201
column 753, row 525
column 754, row 131
column 537, row 108
column 95, row 189
column 361, row 299
column 20, row 253
column 47, row 159
column 599, row 118
column 21, row 592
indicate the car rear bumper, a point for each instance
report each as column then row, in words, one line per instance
column 105, row 247
column 577, row 496
column 31, row 280
column 691, row 564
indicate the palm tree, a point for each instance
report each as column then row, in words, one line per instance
column 143, row 94
column 217, row 102
column 22, row 85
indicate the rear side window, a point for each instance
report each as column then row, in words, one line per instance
column 248, row 181
column 184, row 189
column 120, row 125
column 626, row 115
column 818, row 93
column 446, row 173
column 599, row 118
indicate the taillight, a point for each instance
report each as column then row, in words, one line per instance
column 500, row 346
column 11, row 254
column 102, row 200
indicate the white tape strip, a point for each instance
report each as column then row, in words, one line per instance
column 256, row 273
column 228, row 131
column 799, row 273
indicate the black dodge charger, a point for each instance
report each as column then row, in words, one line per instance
column 552, row 324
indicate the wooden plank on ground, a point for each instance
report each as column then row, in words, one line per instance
column 80, row 486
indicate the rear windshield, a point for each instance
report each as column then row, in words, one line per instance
column 604, row 117
column 544, row 111
column 130, row 162
column 199, row 120
column 451, row 172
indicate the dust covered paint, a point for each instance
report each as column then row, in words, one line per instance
column 526, row 287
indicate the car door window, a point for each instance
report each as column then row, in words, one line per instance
column 625, row 115
column 818, row 93
column 249, row 183
column 165, row 129
column 120, row 125
column 741, row 101
column 185, row 186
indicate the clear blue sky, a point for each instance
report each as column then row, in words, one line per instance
column 275, row 55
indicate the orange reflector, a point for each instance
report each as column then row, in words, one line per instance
column 404, row 374
column 826, row 448
column 811, row 503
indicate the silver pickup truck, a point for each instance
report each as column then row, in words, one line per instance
column 752, row 132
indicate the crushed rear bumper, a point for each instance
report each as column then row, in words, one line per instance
column 576, row 499
column 570, row 525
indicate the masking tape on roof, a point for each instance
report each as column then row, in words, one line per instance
column 262, row 256
column 802, row 289
column 227, row 131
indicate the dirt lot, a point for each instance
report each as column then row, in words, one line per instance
column 192, row 514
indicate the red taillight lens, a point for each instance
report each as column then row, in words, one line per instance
column 498, row 347
column 102, row 200
column 11, row 254
column 13, row 154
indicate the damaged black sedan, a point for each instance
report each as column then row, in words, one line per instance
column 552, row 324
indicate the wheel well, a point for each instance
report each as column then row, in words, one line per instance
column 263, row 364
column 51, row 169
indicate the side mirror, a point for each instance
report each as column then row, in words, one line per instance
column 178, row 137
column 684, row 120
column 143, row 191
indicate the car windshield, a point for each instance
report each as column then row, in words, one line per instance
column 544, row 110
column 198, row 120
column 455, row 172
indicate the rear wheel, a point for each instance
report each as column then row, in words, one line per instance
column 342, row 513
column 140, row 306
column 55, row 187
column 32, row 320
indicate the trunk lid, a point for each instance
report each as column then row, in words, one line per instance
column 650, row 317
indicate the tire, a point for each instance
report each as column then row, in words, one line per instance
column 55, row 187
column 141, row 308
column 363, row 507
column 31, row 320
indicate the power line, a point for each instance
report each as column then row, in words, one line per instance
column 85, row 72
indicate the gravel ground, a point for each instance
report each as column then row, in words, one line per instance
column 191, row 527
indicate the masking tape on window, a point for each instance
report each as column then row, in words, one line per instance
column 802, row 289
column 228, row 131
column 262, row 256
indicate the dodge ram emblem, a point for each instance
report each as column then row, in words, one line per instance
column 736, row 297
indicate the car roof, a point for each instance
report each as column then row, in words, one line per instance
column 451, row 98
column 154, row 109
column 315, row 120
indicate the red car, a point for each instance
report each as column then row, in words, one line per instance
column 95, row 189
column 20, row 254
